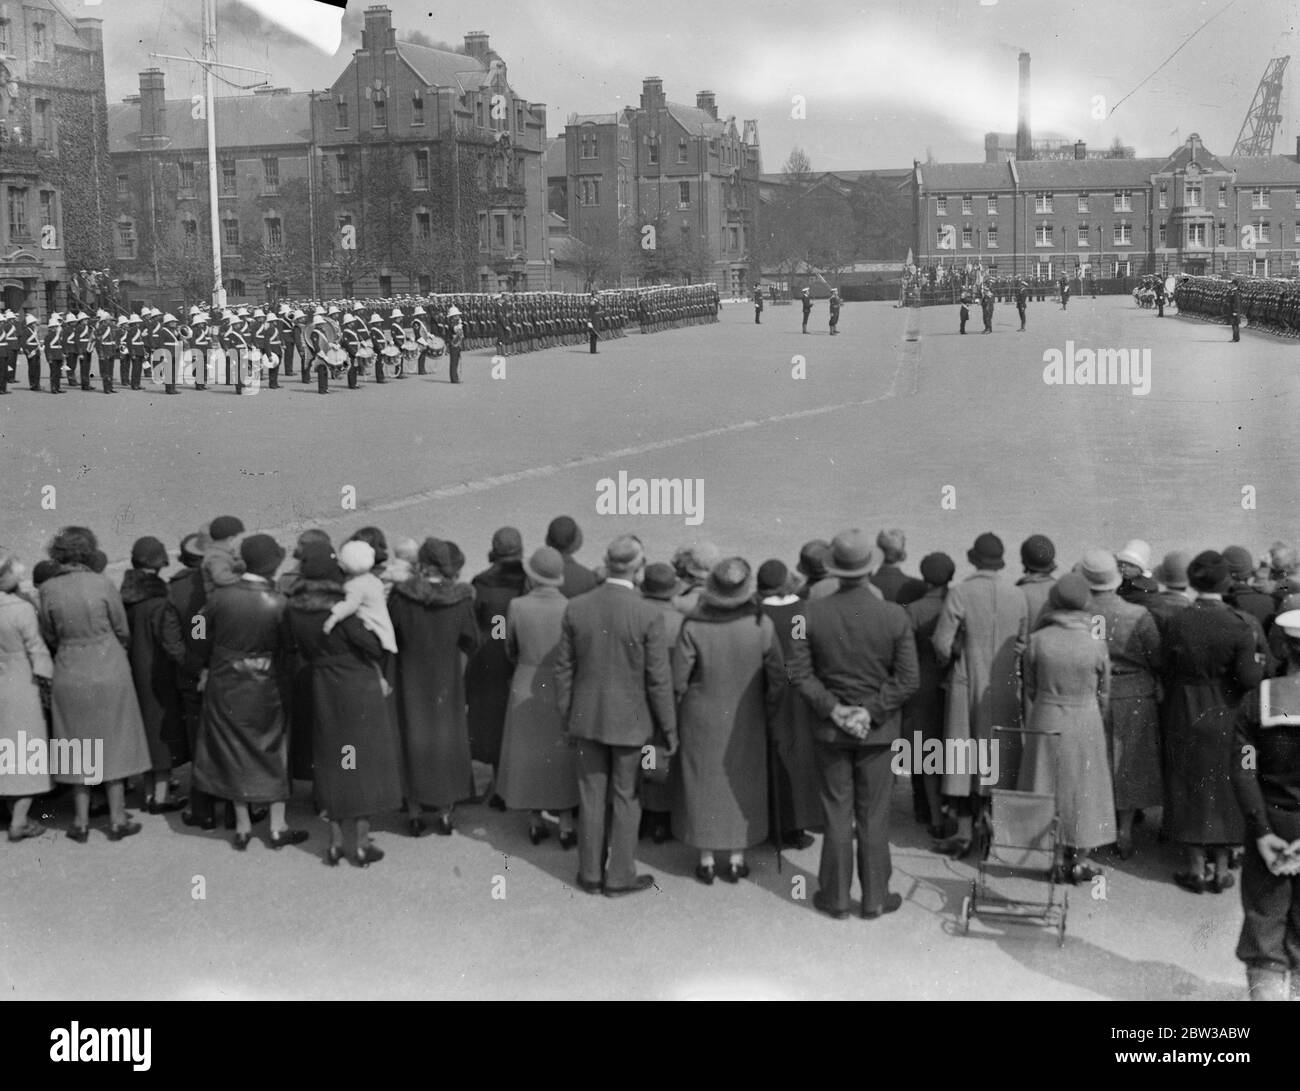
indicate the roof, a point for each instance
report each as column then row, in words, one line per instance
column 442, row 67
column 1264, row 169
column 593, row 119
column 965, row 176
column 243, row 121
column 694, row 120
column 556, row 161
column 1086, row 173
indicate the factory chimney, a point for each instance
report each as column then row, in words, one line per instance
column 1024, row 140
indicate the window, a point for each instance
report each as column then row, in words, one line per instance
column 733, row 237
column 417, row 109
column 991, row 239
column 518, row 232
column 230, row 231
column 380, row 117
column 1163, row 199
column 235, row 287
column 123, row 187
column 1196, row 234
column 18, row 228
column 941, row 205
column 270, row 175
column 1297, row 232
column 589, row 191
column 683, row 194
column 1123, row 200
column 228, row 184
column 482, row 231
column 1121, row 268
column 1259, row 267
column 1259, row 197
column 519, row 117
column 125, row 239
column 1221, row 233
column 1081, row 203
column 1043, row 235
column 1261, row 230
column 654, row 151
column 966, row 237
column 344, row 165
column 186, row 169
column 44, row 131
column 681, row 150
column 1163, row 235
column 1042, row 270
column 47, row 208
column 423, row 225
column 1042, row 202
column 341, row 113
column 499, row 229
column 478, row 112
column 4, row 35
column 966, row 203
column 190, row 229
column 38, row 41
column 274, row 233
column 1123, row 235
column 992, row 206
column 385, row 286
column 1083, row 234
column 1223, row 194
column 421, row 169
column 1192, row 194
column 939, row 237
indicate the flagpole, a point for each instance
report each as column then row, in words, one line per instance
column 210, row 54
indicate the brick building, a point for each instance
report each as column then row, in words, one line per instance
column 684, row 169
column 1186, row 212
column 54, row 171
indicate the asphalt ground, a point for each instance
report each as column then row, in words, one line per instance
column 899, row 421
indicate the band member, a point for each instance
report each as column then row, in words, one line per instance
column 351, row 338
column 107, row 340
column 266, row 339
column 77, row 346
column 1022, row 300
column 54, row 352
column 455, row 342
column 375, row 330
column 29, row 344
column 201, row 343
column 421, row 331
column 8, row 347
column 234, row 345
column 1064, row 285
column 1160, row 298
column 135, row 345
column 169, row 341
column 284, row 325
column 1234, row 308
column 315, row 346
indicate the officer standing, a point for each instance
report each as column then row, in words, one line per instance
column 835, row 311
column 758, row 304
column 455, row 342
column 1022, row 301
column 805, row 300
column 1234, row 307
column 1064, row 285
column 1160, row 298
column 964, row 312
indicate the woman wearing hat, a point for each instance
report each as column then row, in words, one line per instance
column 729, row 678
column 242, row 753
column 797, row 796
column 156, row 650
column 1210, row 664
column 25, row 668
column 340, row 701
column 92, row 697
column 693, row 564
column 433, row 617
column 487, row 675
column 1067, row 680
column 537, row 766
column 186, row 594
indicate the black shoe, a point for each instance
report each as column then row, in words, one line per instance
column 333, row 855
column 892, row 904
column 79, row 834
column 1194, row 883
column 568, row 839
column 126, row 829
column 168, row 807
column 1222, row 881
column 642, row 882
column 368, row 855
column 733, row 873
column 416, row 827
column 819, row 903
column 241, row 841
column 585, row 886
column 443, row 827
column 661, row 833
column 497, row 803
column 797, row 839
column 288, row 837
column 705, row 873
column 208, row 823
column 538, row 834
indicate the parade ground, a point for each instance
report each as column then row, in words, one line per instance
column 899, row 421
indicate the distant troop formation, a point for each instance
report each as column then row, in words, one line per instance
column 248, row 348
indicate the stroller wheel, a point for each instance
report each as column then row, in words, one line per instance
column 965, row 916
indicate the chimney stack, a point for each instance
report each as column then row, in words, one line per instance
column 476, row 45
column 1080, row 150
column 1024, row 140
column 652, row 93
column 706, row 100
column 378, row 33
column 1297, row 149
column 153, row 125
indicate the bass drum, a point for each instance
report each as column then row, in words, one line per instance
column 393, row 366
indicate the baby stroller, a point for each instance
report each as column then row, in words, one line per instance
column 1018, row 838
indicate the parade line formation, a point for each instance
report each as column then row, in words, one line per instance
column 384, row 338
column 701, row 699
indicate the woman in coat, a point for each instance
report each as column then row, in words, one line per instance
column 433, row 617
column 729, row 678
column 25, row 666
column 359, row 771
column 1209, row 666
column 538, row 768
column 797, row 794
column 186, row 594
column 92, row 697
column 242, row 753
column 1067, row 678
column 487, row 675
column 156, row 651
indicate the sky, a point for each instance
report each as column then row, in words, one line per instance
column 882, row 82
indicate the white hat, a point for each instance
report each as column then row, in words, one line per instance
column 317, row 318
column 356, row 557
column 82, row 316
column 332, row 309
column 30, row 320
column 101, row 313
column 1136, row 552
column 8, row 314
column 55, row 320
column 169, row 318
column 200, row 317
column 259, row 313
column 298, row 314
column 350, row 318
column 121, row 320
column 374, row 318
column 195, row 308
column 1289, row 622
column 242, row 312
column 135, row 318
column 227, row 315
column 453, row 311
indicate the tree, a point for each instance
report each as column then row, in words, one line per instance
column 185, row 264
column 599, row 257
column 881, row 217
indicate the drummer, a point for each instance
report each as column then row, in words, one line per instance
column 316, row 344
column 378, row 343
column 266, row 340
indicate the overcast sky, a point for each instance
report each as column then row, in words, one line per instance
column 883, row 81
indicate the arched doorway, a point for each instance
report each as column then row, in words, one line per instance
column 13, row 298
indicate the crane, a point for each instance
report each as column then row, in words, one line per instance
column 1256, row 136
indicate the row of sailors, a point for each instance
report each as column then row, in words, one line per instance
column 663, row 308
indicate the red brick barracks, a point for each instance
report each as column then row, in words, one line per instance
column 1191, row 212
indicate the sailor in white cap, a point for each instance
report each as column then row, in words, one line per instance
column 106, row 339
column 455, row 342
column 133, row 366
column 54, row 352
column 79, row 340
column 8, row 347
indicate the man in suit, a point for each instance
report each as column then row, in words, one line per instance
column 614, row 689
column 856, row 667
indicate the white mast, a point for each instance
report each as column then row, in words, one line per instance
column 210, row 55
